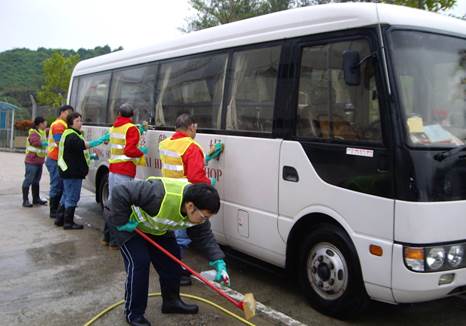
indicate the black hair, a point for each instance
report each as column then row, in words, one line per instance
column 64, row 108
column 203, row 196
column 183, row 121
column 37, row 121
column 71, row 117
column 126, row 110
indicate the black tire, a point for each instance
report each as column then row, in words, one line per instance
column 103, row 190
column 330, row 274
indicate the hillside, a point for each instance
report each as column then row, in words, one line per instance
column 21, row 71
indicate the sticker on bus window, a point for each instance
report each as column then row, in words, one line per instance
column 359, row 152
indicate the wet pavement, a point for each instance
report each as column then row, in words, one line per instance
column 49, row 276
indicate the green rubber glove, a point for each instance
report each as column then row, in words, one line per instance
column 144, row 149
column 128, row 227
column 215, row 153
column 213, row 181
column 100, row 140
column 142, row 128
column 221, row 267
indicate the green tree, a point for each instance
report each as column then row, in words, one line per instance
column 209, row 13
column 57, row 72
column 430, row 5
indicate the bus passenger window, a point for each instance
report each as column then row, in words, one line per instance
column 136, row 87
column 252, row 89
column 327, row 107
column 193, row 85
column 92, row 98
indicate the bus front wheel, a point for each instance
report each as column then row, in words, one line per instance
column 330, row 274
column 103, row 190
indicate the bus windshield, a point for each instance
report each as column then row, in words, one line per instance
column 430, row 72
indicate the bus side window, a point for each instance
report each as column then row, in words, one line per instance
column 136, row 87
column 92, row 98
column 327, row 107
column 253, row 82
column 193, row 85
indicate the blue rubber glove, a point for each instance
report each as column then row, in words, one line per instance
column 93, row 156
column 44, row 143
column 215, row 152
column 213, row 181
column 144, row 149
column 100, row 140
column 128, row 227
column 221, row 268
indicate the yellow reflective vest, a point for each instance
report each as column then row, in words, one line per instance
column 169, row 217
column 40, row 151
column 171, row 152
column 118, row 143
column 61, row 161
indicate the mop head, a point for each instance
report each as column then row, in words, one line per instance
column 249, row 306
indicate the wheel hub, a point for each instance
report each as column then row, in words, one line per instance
column 327, row 271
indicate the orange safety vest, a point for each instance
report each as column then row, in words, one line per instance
column 52, row 149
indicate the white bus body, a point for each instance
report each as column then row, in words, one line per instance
column 356, row 184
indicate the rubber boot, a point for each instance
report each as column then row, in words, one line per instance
column 172, row 303
column 26, row 202
column 54, row 202
column 59, row 215
column 69, row 220
column 36, row 197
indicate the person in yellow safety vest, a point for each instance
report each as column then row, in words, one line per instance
column 36, row 151
column 125, row 155
column 158, row 206
column 57, row 128
column 182, row 157
column 73, row 166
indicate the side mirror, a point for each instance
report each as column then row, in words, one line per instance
column 351, row 68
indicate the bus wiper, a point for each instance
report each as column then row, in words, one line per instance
column 443, row 155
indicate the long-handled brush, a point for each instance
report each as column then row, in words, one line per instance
column 248, row 305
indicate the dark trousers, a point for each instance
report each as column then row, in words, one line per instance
column 138, row 254
column 32, row 175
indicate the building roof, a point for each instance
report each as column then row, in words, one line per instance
column 4, row 106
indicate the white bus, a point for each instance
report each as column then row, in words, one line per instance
column 344, row 128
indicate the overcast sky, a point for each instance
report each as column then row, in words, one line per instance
column 74, row 24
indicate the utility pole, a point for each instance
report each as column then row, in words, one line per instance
column 34, row 107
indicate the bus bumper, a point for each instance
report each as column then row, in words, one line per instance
column 409, row 286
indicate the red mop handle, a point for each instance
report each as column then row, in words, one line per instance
column 203, row 279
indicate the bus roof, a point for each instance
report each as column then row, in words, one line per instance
column 280, row 25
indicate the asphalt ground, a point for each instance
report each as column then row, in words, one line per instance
column 49, row 276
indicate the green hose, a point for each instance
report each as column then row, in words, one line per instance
column 157, row 294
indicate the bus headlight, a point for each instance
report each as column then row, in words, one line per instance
column 435, row 258
column 455, row 256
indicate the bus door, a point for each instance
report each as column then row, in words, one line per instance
column 336, row 163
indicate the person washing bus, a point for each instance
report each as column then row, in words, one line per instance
column 158, row 206
column 182, row 157
column 125, row 155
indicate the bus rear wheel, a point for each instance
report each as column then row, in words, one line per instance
column 330, row 274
